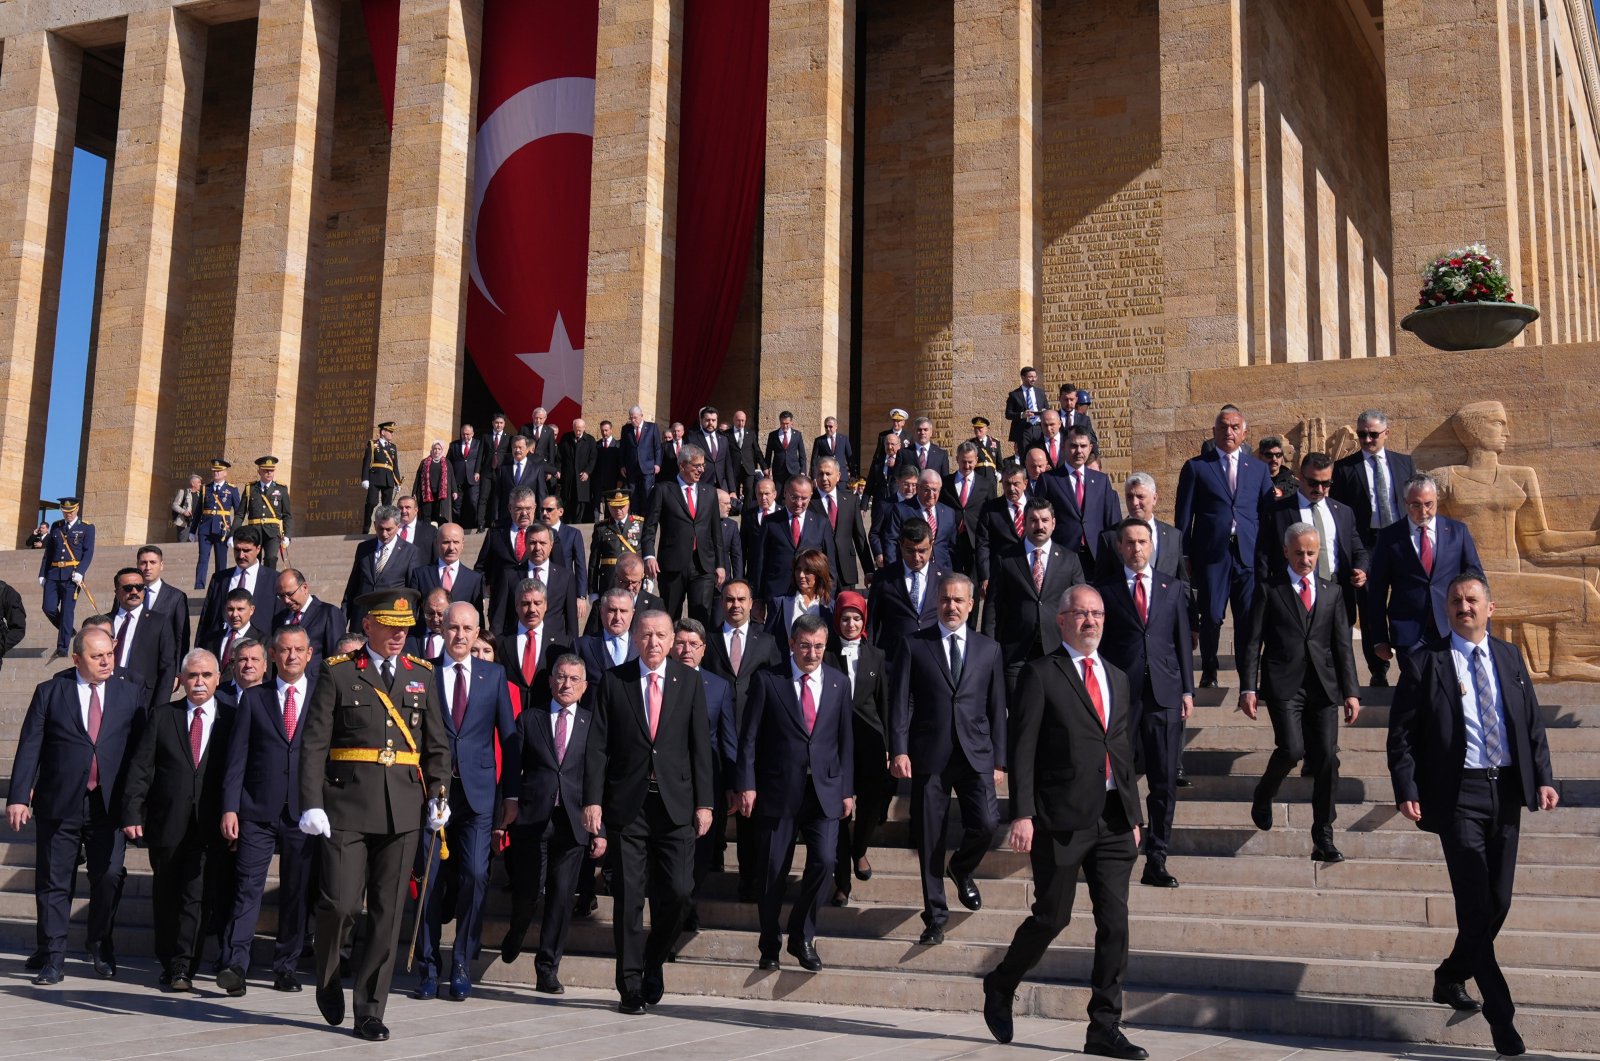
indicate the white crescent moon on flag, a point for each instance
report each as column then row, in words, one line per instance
column 549, row 108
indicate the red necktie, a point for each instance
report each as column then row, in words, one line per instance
column 808, row 704
column 833, row 514
column 291, row 712
column 1425, row 552
column 196, row 731
column 1305, row 592
column 530, row 658
column 688, row 499
column 1092, row 685
column 1038, row 569
column 933, row 523
column 522, row 544
column 94, row 736
column 458, row 705
column 1077, row 478
column 227, row 648
column 561, row 744
column 922, row 457
column 294, row 620
column 736, row 651
column 1016, row 518
column 1140, row 601
column 652, row 706
column 966, row 489
column 794, row 529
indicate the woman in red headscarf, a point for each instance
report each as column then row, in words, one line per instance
column 863, row 663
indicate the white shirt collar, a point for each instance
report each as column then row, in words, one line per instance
column 299, row 686
column 645, row 671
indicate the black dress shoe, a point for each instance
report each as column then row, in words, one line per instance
column 1261, row 813
column 47, row 976
column 180, row 984
column 931, row 936
column 231, row 980
column 372, row 1030
column 840, row 897
column 767, row 964
column 863, row 869
column 105, row 968
column 748, row 893
column 511, row 946
column 1379, row 681
column 1326, row 853
column 1113, row 1044
column 1156, row 875
column 285, row 982
column 632, row 1005
column 36, row 961
column 651, row 986
column 1183, row 779
column 549, row 984
column 967, row 892
column 1506, row 1040
column 330, row 1002
column 1455, row 996
column 997, row 1010
column 691, row 923
column 1208, row 679
column 805, row 952
column 586, row 905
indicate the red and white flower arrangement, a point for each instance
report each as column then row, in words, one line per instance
column 1468, row 274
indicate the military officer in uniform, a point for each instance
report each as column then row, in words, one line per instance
column 68, row 550
column 374, row 768
column 213, row 522
column 265, row 504
column 613, row 538
column 988, row 447
column 380, row 473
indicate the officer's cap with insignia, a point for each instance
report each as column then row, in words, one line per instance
column 897, row 414
column 69, row 505
column 980, row 421
column 266, row 462
column 220, row 465
column 617, row 497
column 390, row 607
column 387, row 425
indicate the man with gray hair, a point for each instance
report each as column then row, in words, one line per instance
column 1371, row 482
column 685, row 516
column 1412, row 563
column 922, row 451
column 383, row 561
column 641, row 456
column 1166, row 542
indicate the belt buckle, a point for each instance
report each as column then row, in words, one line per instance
column 1492, row 773
column 386, row 757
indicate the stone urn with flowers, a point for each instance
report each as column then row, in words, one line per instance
column 1466, row 303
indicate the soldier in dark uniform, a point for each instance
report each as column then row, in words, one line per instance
column 613, row 538
column 265, row 504
column 374, row 769
column 380, row 472
column 988, row 447
column 214, row 520
column 68, row 550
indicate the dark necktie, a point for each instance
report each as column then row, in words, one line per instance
column 955, row 659
column 387, row 670
column 458, row 704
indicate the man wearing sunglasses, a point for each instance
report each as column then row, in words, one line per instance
column 1372, row 483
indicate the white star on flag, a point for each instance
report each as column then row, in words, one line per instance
column 561, row 367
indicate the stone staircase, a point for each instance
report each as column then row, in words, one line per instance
column 1258, row 938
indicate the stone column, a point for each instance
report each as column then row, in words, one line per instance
column 420, row 336
column 38, row 117
column 152, row 184
column 1203, row 183
column 805, row 289
column 993, row 282
column 627, row 354
column 291, row 119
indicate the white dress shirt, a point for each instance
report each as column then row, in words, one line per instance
column 814, row 680
column 83, row 701
column 1472, row 712
column 1295, row 581
column 1416, row 535
column 727, row 638
column 556, row 711
column 1308, row 511
column 251, row 573
column 523, row 633
column 1028, row 549
column 122, row 622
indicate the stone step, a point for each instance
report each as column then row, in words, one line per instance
column 1214, row 783
column 1257, row 736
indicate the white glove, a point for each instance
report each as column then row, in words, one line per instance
column 438, row 814
column 77, row 579
column 314, row 822
column 41, row 580
column 365, row 485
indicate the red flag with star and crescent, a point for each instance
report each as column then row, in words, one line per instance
column 528, row 221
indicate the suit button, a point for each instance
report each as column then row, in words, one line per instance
column 388, row 744
column 389, row 722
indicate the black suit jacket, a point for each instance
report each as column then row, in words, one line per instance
column 607, row 468
column 1287, row 649
column 785, row 462
column 1350, row 488
column 1021, row 618
column 534, row 776
column 468, row 587
column 324, row 624
column 751, row 521
column 544, row 442
column 174, row 604
column 262, row 779
column 687, row 544
column 733, row 546
column 969, row 516
column 840, row 450
column 760, row 651
column 869, row 695
column 746, row 459
column 154, row 654
column 996, row 532
column 167, row 792
column 779, row 760
column 772, row 562
column 938, row 459
column 1058, row 773
column 501, row 570
column 930, row 714
column 1427, row 737
column 424, row 539
column 1282, row 513
column 1169, row 553
column 550, row 649
column 621, row 756
column 535, row 476
column 890, row 617
column 576, row 457
column 365, row 578
column 51, row 768
column 265, row 595
column 211, row 641
column 850, row 544
column 1156, row 654
column 462, row 469
column 494, row 455
column 721, row 470
column 1017, row 412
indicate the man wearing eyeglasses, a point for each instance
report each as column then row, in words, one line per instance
column 1372, row 483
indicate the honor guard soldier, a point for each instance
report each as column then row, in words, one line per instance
column 68, row 551
column 380, row 472
column 374, row 770
column 988, row 448
column 265, row 504
column 213, row 523
column 614, row 537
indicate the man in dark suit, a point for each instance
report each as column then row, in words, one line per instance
column 1166, row 541
column 1023, row 407
column 248, row 573
column 323, row 623
column 1025, row 586
column 613, row 645
column 629, row 576
column 467, row 459
column 781, row 540
column 1344, row 557
column 922, row 452
column 541, row 438
column 1467, row 751
column 721, row 460
column 575, row 455
column 163, row 598
column 641, row 456
column 532, row 645
column 145, row 642
column 881, row 490
column 1220, row 496
column 261, row 813
column 1000, row 523
column 447, row 572
column 13, row 619
column 760, row 504
column 942, row 521
column 947, row 732
column 1412, row 564
column 648, row 777
column 520, row 471
column 1372, row 484
column 1050, row 438
column 382, row 562
column 414, row 530
column 1087, row 502
column 560, row 584
column 1076, row 805
column 1297, row 653
column 1070, row 405
column 903, row 598
column 732, row 535
column 79, row 730
column 496, row 451
column 684, row 516
column 568, row 542
column 173, row 802
column 746, row 451
column 1147, row 638
column 238, row 625
column 842, row 510
column 965, row 491
column 689, row 643
column 542, row 805
column 608, row 471
column 796, row 776
column 786, row 450
column 503, row 557
column 476, row 707
column 671, row 443
column 831, row 443
column 897, row 431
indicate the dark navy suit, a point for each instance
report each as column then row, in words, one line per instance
column 1219, row 537
column 468, row 587
column 724, row 728
column 891, row 615
column 68, row 550
column 944, row 535
column 473, row 788
column 323, row 623
column 772, row 562
column 594, row 652
column 1080, row 529
column 801, row 780
column 1405, row 605
column 641, row 456
column 264, row 593
column 262, row 786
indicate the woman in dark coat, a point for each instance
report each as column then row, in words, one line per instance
column 863, row 663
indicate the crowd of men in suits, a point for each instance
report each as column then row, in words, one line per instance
column 964, row 621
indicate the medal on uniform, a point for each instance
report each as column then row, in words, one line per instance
column 416, row 718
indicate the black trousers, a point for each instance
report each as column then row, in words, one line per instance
column 930, row 807
column 182, row 886
column 1305, row 727
column 778, row 837
column 1105, row 853
column 296, row 852
column 654, row 858
column 375, row 867
column 55, row 877
column 377, row 494
column 1160, row 735
column 1241, row 596
column 874, row 791
column 1480, row 851
column 551, row 847
column 695, row 586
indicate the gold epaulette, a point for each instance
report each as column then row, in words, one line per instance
column 419, row 661
column 636, row 519
column 344, row 657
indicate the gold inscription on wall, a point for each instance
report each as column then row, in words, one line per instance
column 1101, row 302
column 935, row 378
column 347, row 362
column 199, row 416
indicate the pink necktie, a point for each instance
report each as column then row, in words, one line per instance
column 94, row 736
column 966, row 489
column 447, row 581
column 1077, row 477
column 653, row 706
column 291, row 712
column 1052, row 453
column 561, row 742
column 1233, row 474
column 736, row 651
column 808, row 704
column 1038, row 569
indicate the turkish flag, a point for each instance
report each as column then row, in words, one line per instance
column 529, row 222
